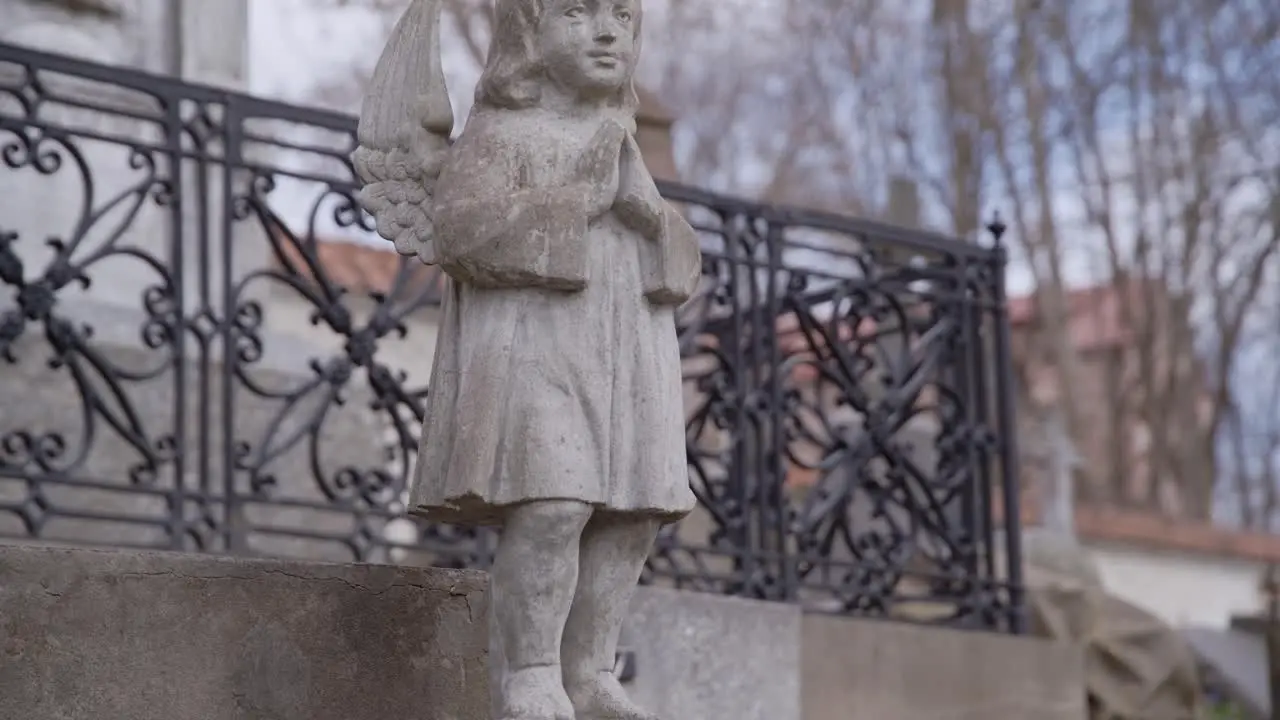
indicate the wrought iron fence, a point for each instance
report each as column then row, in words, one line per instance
column 205, row 350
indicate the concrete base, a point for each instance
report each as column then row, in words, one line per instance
column 94, row 635
column 89, row 635
column 707, row 657
column 704, row 657
column 869, row 670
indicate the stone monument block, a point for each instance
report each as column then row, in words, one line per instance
column 869, row 670
column 153, row 636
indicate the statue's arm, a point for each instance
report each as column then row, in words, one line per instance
column 681, row 261
column 673, row 260
column 493, row 232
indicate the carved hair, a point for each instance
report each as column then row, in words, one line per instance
column 513, row 74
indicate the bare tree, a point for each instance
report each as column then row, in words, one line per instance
column 755, row 113
column 1134, row 147
column 1184, row 199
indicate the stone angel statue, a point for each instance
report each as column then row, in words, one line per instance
column 555, row 407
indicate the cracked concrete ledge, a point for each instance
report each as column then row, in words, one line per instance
column 117, row 634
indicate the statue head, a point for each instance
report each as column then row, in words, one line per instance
column 587, row 47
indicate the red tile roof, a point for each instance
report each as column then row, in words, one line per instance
column 1096, row 313
column 363, row 268
column 1145, row 528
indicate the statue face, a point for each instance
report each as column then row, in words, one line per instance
column 589, row 45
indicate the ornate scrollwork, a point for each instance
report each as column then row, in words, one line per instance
column 872, row 359
column 98, row 233
column 837, row 427
column 300, row 270
column 844, row 439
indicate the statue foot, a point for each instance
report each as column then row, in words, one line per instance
column 601, row 697
column 535, row 693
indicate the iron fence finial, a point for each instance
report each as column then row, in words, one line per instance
column 997, row 228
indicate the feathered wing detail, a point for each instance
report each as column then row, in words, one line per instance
column 404, row 131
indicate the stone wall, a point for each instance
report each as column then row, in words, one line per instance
column 703, row 657
column 867, row 670
column 94, row 634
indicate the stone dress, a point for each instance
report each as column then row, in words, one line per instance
column 555, row 375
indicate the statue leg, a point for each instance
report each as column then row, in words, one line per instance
column 613, row 553
column 532, row 581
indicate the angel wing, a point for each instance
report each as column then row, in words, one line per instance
column 404, row 131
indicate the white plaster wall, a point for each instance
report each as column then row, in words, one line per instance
column 60, row 197
column 1181, row 589
column 138, row 38
column 197, row 39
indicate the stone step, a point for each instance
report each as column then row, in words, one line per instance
column 108, row 635
column 118, row 635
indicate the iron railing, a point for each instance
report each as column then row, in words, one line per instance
column 202, row 355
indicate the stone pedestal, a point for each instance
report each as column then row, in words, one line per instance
column 92, row 635
column 868, row 670
column 653, row 135
column 194, row 40
column 710, row 657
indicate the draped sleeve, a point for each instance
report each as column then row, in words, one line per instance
column 671, row 260
column 673, row 265
column 493, row 230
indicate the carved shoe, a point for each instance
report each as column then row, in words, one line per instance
column 535, row 694
column 602, row 697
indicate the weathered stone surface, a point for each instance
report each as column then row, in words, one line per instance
column 867, row 670
column 1136, row 666
column 555, row 408
column 709, row 657
column 705, row 656
column 94, row 635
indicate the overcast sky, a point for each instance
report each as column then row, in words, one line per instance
column 296, row 45
column 292, row 45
